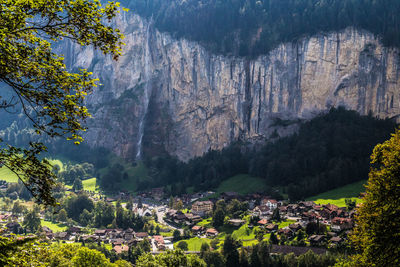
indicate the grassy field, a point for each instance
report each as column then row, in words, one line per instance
column 250, row 243
column 242, row 184
column 337, row 196
column 194, row 243
column 53, row 226
column 244, row 233
column 7, row 175
column 90, row 185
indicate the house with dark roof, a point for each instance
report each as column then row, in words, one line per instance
column 341, row 224
column 317, row 240
column 141, row 235
column 211, row 232
column 62, row 235
column 295, row 227
column 261, row 211
column 286, row 232
column 335, row 241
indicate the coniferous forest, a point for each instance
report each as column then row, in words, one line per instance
column 254, row 27
column 329, row 151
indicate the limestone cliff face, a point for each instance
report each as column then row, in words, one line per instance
column 172, row 95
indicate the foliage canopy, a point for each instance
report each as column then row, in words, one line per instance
column 33, row 77
column 377, row 232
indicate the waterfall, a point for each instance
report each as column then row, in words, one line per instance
column 147, row 87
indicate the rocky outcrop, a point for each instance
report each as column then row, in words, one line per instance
column 174, row 96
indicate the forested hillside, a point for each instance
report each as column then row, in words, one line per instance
column 329, row 151
column 254, row 27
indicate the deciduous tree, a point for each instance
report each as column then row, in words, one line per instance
column 377, row 232
column 35, row 78
column 32, row 220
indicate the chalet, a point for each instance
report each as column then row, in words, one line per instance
column 236, row 222
column 341, row 212
column 46, row 229
column 48, row 232
column 310, row 216
column 202, row 208
column 293, row 209
column 117, row 242
column 141, row 235
column 317, row 207
column 74, row 230
column 331, row 234
column 316, row 240
column 62, row 235
column 121, row 248
column 262, row 222
column 115, row 233
column 170, row 214
column 159, row 240
column 335, row 241
column 272, row 227
column 179, row 217
column 286, row 232
column 192, row 218
column 307, row 205
column 129, row 236
column 270, row 203
column 261, row 211
column 100, row 232
column 295, row 227
column 283, row 209
column 340, row 224
column 329, row 211
column 197, row 229
column 88, row 238
column 211, row 232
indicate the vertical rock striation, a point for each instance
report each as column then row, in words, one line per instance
column 189, row 101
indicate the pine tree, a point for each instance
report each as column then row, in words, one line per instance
column 230, row 251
